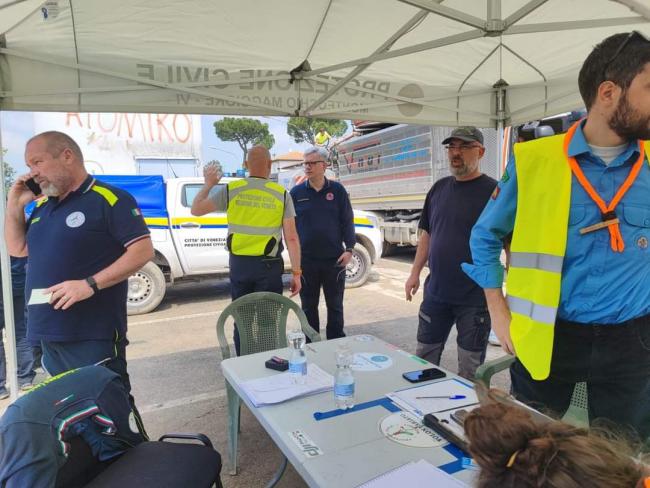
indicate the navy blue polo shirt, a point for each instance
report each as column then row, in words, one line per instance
column 324, row 220
column 36, row 429
column 73, row 239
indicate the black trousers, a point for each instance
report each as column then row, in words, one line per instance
column 329, row 276
column 614, row 361
column 249, row 274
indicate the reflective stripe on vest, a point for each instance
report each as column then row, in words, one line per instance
column 545, row 262
column 537, row 250
column 255, row 211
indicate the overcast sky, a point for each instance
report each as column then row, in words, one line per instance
column 18, row 127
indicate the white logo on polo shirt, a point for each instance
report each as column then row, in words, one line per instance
column 75, row 219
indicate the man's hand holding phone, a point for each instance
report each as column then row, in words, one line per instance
column 20, row 193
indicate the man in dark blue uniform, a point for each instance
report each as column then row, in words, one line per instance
column 325, row 223
column 36, row 429
column 84, row 240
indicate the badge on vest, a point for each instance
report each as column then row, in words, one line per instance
column 75, row 219
column 330, row 196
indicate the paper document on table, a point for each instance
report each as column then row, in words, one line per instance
column 39, row 296
column 420, row 474
column 281, row 387
column 443, row 395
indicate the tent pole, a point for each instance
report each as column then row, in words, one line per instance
column 500, row 87
column 7, row 293
column 406, row 28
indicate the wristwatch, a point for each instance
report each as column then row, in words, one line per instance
column 348, row 249
column 92, row 283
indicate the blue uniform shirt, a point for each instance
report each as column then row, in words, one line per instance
column 35, row 431
column 72, row 240
column 598, row 285
column 324, row 220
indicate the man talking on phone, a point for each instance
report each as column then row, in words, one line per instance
column 84, row 239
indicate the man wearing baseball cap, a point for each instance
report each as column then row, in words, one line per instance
column 451, row 208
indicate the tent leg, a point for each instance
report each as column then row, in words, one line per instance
column 7, row 294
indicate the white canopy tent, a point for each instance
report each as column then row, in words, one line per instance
column 444, row 62
column 410, row 61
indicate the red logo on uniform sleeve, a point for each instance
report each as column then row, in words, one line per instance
column 330, row 196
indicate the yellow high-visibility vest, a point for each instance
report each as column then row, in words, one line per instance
column 321, row 139
column 537, row 250
column 255, row 211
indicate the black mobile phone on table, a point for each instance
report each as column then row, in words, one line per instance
column 34, row 187
column 424, row 375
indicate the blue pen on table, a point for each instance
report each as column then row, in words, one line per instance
column 446, row 397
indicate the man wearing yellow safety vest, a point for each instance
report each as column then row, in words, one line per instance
column 259, row 211
column 322, row 137
column 577, row 307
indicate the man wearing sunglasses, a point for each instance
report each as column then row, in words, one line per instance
column 578, row 289
column 451, row 208
column 325, row 224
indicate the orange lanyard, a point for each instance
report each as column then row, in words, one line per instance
column 607, row 211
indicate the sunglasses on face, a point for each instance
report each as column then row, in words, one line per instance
column 461, row 147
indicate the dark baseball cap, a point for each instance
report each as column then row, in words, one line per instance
column 467, row 134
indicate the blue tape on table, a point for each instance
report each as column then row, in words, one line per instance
column 457, row 465
column 382, row 402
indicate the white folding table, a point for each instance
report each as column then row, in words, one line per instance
column 347, row 449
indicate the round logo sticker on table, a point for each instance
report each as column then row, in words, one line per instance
column 364, row 338
column 406, row 429
column 370, row 361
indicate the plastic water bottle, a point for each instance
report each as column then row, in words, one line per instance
column 297, row 359
column 216, row 164
column 344, row 380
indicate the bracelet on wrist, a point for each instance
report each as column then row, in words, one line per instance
column 296, row 272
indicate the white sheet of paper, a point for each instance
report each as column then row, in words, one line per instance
column 420, row 474
column 39, row 296
column 280, row 387
column 407, row 398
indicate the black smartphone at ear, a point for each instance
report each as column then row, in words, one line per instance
column 424, row 375
column 34, row 187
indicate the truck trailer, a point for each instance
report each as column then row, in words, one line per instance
column 388, row 172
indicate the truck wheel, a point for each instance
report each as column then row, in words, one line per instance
column 358, row 269
column 146, row 289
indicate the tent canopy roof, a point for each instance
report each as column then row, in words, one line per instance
column 450, row 62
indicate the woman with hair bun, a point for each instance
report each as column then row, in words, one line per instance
column 515, row 451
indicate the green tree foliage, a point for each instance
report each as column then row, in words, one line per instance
column 9, row 172
column 303, row 129
column 245, row 132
